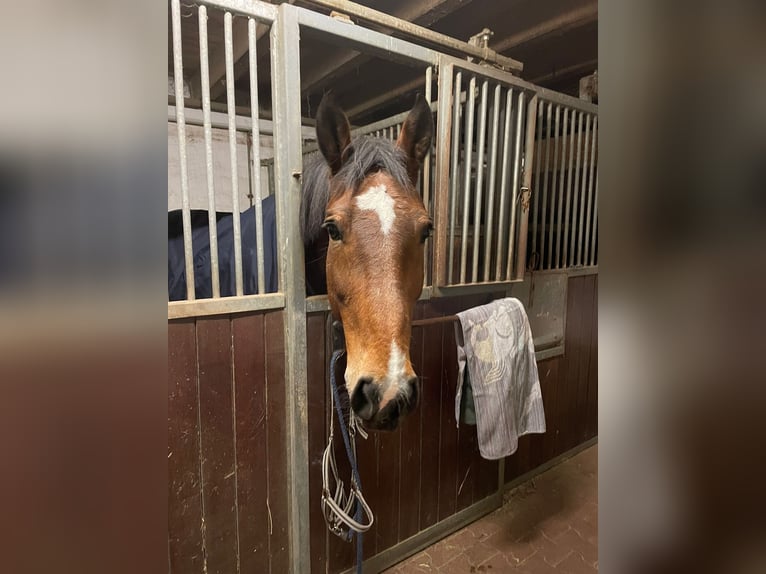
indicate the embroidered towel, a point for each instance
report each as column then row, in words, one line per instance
column 495, row 346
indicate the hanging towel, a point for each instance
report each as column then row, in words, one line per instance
column 497, row 356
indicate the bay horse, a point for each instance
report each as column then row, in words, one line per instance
column 364, row 227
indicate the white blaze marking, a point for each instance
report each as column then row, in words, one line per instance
column 395, row 364
column 377, row 200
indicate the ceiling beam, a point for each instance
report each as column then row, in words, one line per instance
column 423, row 13
column 557, row 25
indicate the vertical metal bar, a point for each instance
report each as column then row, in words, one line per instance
column 536, row 190
column 207, row 126
column 256, row 171
column 565, row 250
column 286, row 86
column 426, row 175
column 586, row 159
column 178, row 80
column 562, row 161
column 467, row 178
column 545, row 182
column 589, row 209
column 577, row 190
column 479, row 180
column 515, row 187
column 492, row 179
column 595, row 225
column 231, row 112
column 454, row 173
column 554, row 181
column 529, row 151
column 504, row 177
column 444, row 182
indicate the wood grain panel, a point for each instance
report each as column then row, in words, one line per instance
column 217, row 444
column 430, row 409
column 448, row 449
column 250, row 418
column 276, row 438
column 185, row 545
column 409, row 450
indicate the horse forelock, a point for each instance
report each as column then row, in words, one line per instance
column 369, row 153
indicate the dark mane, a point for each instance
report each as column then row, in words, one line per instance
column 369, row 153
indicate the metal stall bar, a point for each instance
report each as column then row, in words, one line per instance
column 595, row 225
column 211, row 212
column 467, row 179
column 562, row 161
column 586, row 159
column 565, row 250
column 589, row 210
column 515, row 191
column 255, row 180
column 426, row 189
column 178, row 80
column 286, row 83
column 230, row 103
column 491, row 184
column 577, row 191
column 554, row 181
column 455, row 163
column 529, row 152
column 536, row 192
column 479, row 180
column 545, row 183
column 444, row 207
column 504, row 177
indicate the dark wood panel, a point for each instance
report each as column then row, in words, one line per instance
column 592, row 410
column 317, row 373
column 184, row 483
column 448, row 449
column 430, row 409
column 410, row 437
column 586, row 356
column 217, row 443
column 276, row 441
column 250, row 417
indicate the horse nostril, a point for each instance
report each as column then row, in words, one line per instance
column 413, row 392
column 364, row 399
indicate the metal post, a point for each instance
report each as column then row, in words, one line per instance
column 454, row 178
column 444, row 209
column 255, row 181
column 491, row 187
column 545, row 182
column 230, row 109
column 595, row 225
column 562, row 161
column 554, row 177
column 479, row 180
column 515, row 191
column 529, row 150
column 467, row 178
column 504, row 177
column 178, row 80
column 586, row 160
column 577, row 190
column 590, row 191
column 285, row 55
column 206, row 121
column 426, row 172
column 565, row 251
column 536, row 193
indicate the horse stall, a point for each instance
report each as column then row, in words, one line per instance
column 511, row 185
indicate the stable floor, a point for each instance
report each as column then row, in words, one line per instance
column 548, row 524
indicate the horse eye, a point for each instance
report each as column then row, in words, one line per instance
column 332, row 230
column 426, row 232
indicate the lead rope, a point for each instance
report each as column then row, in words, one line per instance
column 337, row 507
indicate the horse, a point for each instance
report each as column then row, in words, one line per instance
column 364, row 227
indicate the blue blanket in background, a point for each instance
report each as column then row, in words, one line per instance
column 201, row 253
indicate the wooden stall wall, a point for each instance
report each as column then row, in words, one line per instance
column 569, row 385
column 425, row 471
column 227, row 484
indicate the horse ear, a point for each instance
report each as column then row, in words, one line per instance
column 416, row 136
column 333, row 133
